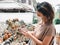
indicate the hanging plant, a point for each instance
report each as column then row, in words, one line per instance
column 57, row 21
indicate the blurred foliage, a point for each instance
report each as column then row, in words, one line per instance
column 57, row 21
column 35, row 20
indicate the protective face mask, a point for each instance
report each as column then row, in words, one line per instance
column 39, row 19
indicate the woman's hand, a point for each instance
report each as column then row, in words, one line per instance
column 25, row 32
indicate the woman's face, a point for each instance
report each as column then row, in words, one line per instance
column 39, row 16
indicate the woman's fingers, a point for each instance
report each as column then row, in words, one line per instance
column 24, row 31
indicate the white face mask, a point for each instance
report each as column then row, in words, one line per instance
column 39, row 19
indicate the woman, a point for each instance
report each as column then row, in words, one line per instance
column 45, row 32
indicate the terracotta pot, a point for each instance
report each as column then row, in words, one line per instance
column 9, row 35
column 5, row 37
column 1, row 40
column 58, row 40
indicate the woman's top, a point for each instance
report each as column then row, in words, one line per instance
column 43, row 30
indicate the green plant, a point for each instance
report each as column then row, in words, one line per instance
column 57, row 21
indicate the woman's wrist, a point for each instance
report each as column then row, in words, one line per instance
column 30, row 35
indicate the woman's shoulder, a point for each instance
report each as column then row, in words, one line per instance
column 52, row 30
column 52, row 27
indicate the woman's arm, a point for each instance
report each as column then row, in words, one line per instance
column 32, row 32
column 46, row 40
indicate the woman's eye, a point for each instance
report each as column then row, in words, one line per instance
column 38, row 14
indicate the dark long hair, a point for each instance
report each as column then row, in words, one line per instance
column 46, row 9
